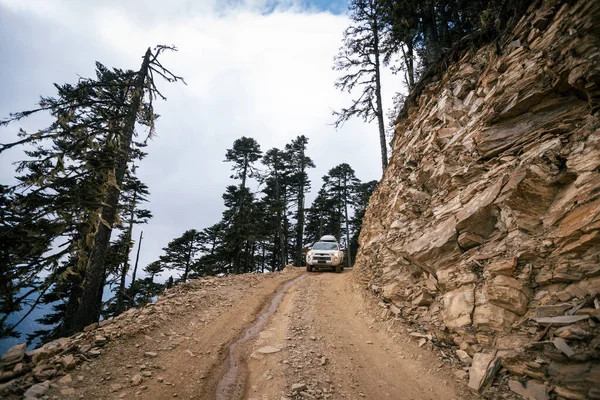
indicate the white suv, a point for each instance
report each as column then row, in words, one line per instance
column 325, row 253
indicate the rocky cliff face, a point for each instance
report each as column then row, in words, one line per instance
column 486, row 225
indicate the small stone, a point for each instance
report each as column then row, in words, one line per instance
column 313, row 338
column 45, row 374
column 65, row 380
column 136, row 380
column 18, row 368
column 115, row 387
column 90, row 327
column 460, row 374
column 298, row 387
column 268, row 350
column 150, row 354
column 530, row 389
column 424, row 299
column 369, row 342
column 464, row 357
column 69, row 361
column 323, row 360
column 100, row 340
column 85, row 348
column 147, row 374
column 37, row 391
column 422, row 342
column 67, row 391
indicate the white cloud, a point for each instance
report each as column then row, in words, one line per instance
column 267, row 76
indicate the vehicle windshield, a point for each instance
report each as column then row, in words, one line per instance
column 325, row 246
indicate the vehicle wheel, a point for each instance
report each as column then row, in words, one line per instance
column 338, row 269
column 309, row 268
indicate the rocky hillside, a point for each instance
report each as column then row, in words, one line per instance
column 485, row 230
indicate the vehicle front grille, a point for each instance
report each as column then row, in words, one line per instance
column 322, row 258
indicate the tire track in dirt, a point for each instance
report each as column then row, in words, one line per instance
column 332, row 350
column 232, row 384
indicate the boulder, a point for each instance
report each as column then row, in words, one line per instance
column 508, row 293
column 458, row 307
column 530, row 390
column 493, row 317
column 14, row 355
column 483, row 370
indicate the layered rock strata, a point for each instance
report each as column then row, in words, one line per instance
column 486, row 225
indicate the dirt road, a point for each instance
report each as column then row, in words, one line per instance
column 321, row 342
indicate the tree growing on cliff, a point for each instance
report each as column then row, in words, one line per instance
column 361, row 60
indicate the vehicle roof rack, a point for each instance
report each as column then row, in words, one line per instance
column 328, row 238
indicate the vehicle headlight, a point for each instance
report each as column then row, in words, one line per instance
column 334, row 257
column 309, row 255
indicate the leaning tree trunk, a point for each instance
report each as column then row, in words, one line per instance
column 89, row 308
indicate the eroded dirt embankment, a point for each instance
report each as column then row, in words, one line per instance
column 321, row 342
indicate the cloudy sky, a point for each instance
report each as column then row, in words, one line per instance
column 253, row 68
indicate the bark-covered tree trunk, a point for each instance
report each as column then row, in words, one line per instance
column 279, row 223
column 135, row 266
column 188, row 261
column 379, row 110
column 409, row 62
column 300, row 217
column 89, row 307
column 125, row 269
column 347, row 230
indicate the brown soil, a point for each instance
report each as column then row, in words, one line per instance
column 321, row 337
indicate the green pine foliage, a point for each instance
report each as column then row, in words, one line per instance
column 56, row 222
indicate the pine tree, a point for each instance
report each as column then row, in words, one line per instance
column 300, row 162
column 340, row 184
column 278, row 166
column 361, row 58
column 134, row 192
column 76, row 168
column 154, row 268
column 142, row 85
column 245, row 152
column 62, row 181
column 181, row 252
column 321, row 216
